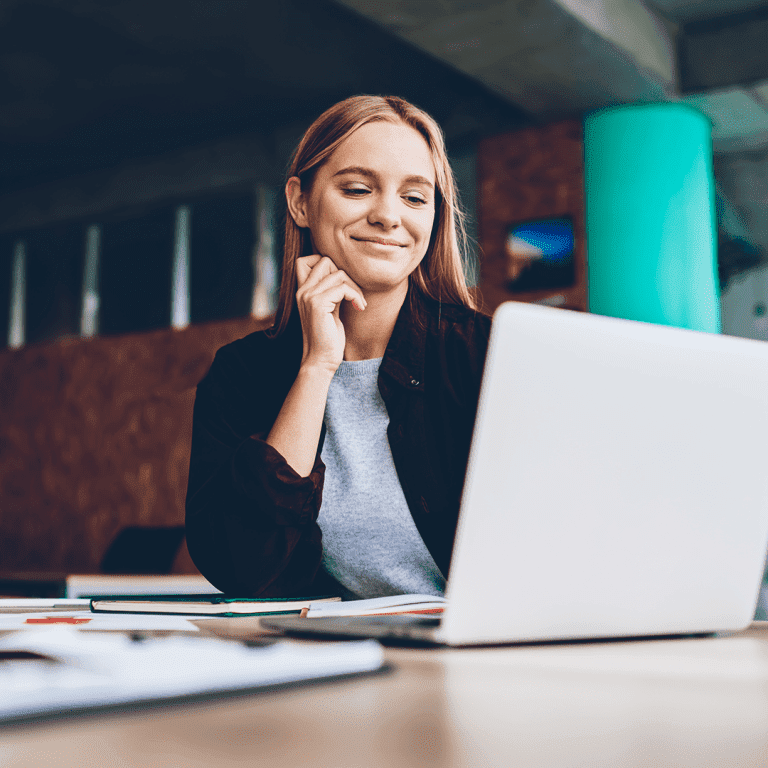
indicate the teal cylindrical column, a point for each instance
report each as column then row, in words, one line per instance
column 650, row 201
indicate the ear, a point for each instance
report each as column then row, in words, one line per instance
column 297, row 204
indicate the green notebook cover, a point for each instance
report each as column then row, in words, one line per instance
column 213, row 599
column 282, row 604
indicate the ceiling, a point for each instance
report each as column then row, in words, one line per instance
column 561, row 57
column 89, row 84
column 557, row 58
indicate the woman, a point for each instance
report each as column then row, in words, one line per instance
column 328, row 454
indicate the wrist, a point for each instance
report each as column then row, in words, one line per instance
column 318, row 373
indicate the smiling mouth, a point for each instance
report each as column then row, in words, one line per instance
column 379, row 241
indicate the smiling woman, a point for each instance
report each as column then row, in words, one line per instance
column 328, row 454
column 374, row 221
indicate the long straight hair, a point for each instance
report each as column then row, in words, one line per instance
column 440, row 275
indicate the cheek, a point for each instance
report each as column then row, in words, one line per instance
column 327, row 226
column 320, row 223
column 329, row 217
column 426, row 227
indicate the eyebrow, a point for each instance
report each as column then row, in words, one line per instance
column 372, row 174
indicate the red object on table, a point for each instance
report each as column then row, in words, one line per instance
column 58, row 620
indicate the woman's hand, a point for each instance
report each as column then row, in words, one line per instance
column 322, row 288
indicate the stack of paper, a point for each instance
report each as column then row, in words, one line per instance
column 59, row 671
column 48, row 604
column 85, row 620
column 207, row 605
column 89, row 585
column 379, row 606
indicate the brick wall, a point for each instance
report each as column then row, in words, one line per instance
column 534, row 173
column 95, row 436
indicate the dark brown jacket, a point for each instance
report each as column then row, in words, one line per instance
column 252, row 521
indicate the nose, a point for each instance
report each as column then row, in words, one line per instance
column 384, row 211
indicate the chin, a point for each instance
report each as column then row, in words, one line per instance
column 381, row 281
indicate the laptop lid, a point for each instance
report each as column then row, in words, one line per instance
column 617, row 483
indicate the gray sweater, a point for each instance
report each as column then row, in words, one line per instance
column 370, row 543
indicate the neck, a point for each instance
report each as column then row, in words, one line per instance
column 368, row 332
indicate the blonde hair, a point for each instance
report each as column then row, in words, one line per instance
column 440, row 275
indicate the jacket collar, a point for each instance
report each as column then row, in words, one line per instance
column 404, row 357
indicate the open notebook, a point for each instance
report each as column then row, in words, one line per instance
column 616, row 487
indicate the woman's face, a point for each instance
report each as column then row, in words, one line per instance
column 372, row 205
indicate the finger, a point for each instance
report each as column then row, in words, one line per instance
column 319, row 266
column 329, row 285
column 331, row 298
column 304, row 265
column 331, row 281
column 322, row 269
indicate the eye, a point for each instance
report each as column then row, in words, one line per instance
column 416, row 199
column 356, row 191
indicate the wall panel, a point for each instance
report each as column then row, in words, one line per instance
column 95, row 436
column 534, row 173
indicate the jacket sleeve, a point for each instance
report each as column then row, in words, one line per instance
column 251, row 520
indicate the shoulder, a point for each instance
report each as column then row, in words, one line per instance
column 258, row 355
column 248, row 381
column 459, row 325
column 256, row 343
column 458, row 344
column 461, row 317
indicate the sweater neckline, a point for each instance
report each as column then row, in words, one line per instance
column 350, row 368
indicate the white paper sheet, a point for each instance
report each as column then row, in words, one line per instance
column 104, row 584
column 29, row 604
column 85, row 620
column 376, row 605
column 95, row 670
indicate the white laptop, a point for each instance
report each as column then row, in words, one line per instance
column 617, row 487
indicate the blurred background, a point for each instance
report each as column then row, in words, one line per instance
column 143, row 148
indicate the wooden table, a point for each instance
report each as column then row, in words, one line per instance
column 688, row 702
